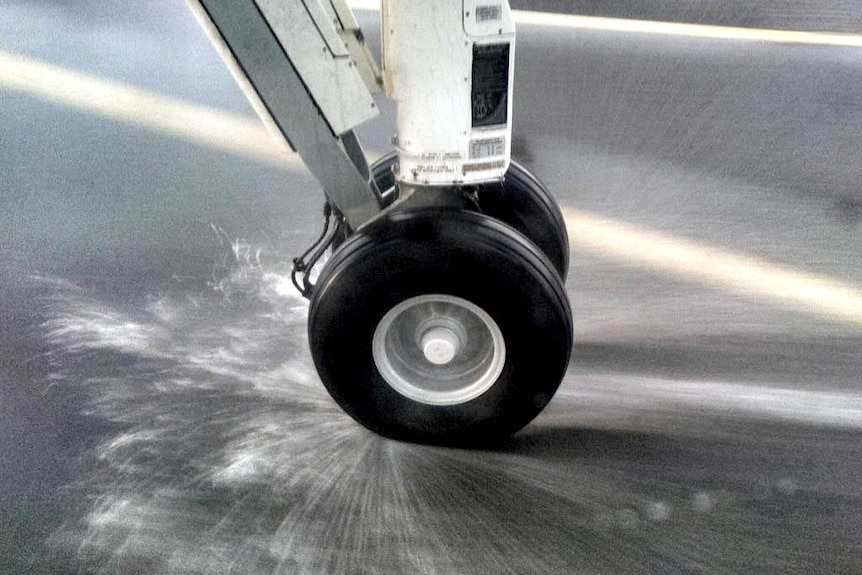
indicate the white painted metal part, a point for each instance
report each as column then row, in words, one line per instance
column 351, row 34
column 310, row 32
column 449, row 66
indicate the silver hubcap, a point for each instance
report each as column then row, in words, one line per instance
column 439, row 349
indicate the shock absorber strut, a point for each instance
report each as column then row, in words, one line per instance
column 449, row 66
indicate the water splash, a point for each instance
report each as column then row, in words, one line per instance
column 228, row 456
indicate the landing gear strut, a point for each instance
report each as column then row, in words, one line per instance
column 442, row 315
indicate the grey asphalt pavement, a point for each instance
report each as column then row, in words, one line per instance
column 159, row 411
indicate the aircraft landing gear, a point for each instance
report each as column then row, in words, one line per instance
column 441, row 316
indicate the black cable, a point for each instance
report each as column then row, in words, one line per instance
column 470, row 194
column 304, row 264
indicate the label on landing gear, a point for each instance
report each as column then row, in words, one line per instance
column 489, row 13
column 482, row 166
column 487, row 147
column 490, row 89
column 444, row 156
column 433, row 169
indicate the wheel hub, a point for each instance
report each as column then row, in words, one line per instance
column 439, row 349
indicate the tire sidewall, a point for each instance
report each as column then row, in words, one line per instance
column 520, row 200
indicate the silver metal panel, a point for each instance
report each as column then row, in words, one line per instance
column 307, row 32
column 322, row 15
column 353, row 38
column 241, row 30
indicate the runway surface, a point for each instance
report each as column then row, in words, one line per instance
column 160, row 412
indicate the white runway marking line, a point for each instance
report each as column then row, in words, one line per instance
column 232, row 133
column 713, row 267
column 801, row 405
column 624, row 242
column 578, row 22
column 687, row 30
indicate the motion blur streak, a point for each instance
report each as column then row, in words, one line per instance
column 718, row 268
column 231, row 458
column 690, row 30
column 610, row 238
column 214, row 128
column 605, row 393
column 578, row 22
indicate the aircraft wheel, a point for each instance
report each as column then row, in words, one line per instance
column 440, row 325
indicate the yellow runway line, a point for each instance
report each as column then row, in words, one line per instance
column 620, row 241
column 625, row 25
column 714, row 267
column 687, row 30
column 240, row 135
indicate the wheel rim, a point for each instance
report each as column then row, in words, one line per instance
column 439, row 349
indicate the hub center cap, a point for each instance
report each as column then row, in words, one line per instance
column 440, row 345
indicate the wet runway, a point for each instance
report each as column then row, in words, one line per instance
column 160, row 412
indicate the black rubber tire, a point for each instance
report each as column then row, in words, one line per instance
column 521, row 201
column 452, row 252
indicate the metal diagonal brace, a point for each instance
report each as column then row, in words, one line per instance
column 253, row 37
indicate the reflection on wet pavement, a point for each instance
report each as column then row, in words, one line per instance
column 228, row 456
